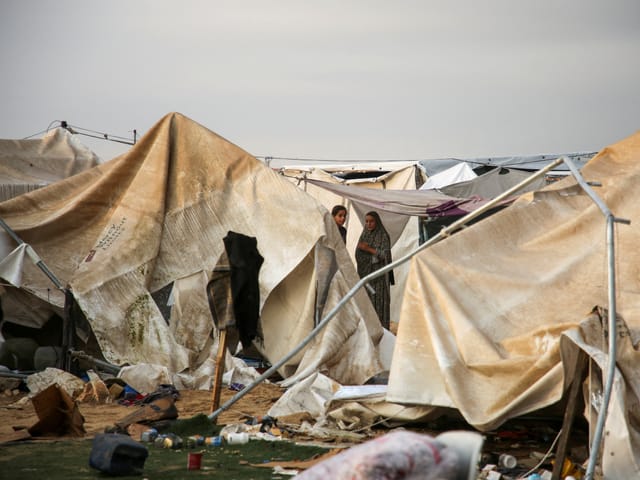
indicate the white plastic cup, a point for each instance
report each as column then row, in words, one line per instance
column 237, row 438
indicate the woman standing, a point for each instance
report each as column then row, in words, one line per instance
column 339, row 214
column 372, row 253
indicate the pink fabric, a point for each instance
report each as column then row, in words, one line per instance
column 399, row 455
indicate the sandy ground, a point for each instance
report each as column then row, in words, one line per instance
column 16, row 411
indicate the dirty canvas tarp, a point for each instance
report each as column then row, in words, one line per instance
column 484, row 310
column 158, row 214
column 27, row 165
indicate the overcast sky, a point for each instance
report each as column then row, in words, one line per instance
column 333, row 80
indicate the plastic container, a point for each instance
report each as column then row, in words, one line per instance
column 149, row 435
column 117, row 454
column 213, row 441
column 237, row 438
column 194, row 460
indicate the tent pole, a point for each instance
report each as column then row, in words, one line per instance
column 365, row 280
column 33, row 255
column 612, row 326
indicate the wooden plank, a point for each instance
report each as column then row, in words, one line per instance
column 569, row 414
column 217, row 379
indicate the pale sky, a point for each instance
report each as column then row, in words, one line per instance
column 332, row 79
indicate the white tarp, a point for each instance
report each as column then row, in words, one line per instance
column 455, row 174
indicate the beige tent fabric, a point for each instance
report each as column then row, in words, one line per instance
column 158, row 214
column 484, row 310
column 621, row 442
column 27, row 165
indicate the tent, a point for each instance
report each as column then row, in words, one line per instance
column 518, row 162
column 157, row 216
column 365, row 187
column 26, row 165
column 493, row 315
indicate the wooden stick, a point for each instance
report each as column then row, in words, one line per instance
column 217, row 379
column 569, row 413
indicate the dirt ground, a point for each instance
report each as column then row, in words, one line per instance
column 525, row 438
column 18, row 412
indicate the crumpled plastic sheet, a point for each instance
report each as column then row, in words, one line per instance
column 397, row 455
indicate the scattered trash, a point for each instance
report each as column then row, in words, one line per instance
column 194, row 460
column 95, row 390
column 213, row 441
column 149, row 435
column 237, row 438
column 507, row 461
column 117, row 454
column 58, row 414
column 161, row 409
column 195, row 441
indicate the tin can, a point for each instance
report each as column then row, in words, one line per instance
column 213, row 441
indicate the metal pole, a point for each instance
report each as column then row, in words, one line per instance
column 443, row 233
column 32, row 254
column 613, row 333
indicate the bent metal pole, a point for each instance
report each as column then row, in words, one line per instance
column 32, row 255
column 365, row 280
column 613, row 332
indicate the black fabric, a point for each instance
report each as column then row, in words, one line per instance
column 245, row 262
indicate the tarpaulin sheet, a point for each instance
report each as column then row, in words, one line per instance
column 484, row 310
column 158, row 214
column 30, row 164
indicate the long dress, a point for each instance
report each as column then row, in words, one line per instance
column 367, row 263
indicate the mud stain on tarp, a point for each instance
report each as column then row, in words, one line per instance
column 137, row 318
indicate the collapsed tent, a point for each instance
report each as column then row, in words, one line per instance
column 486, row 311
column 157, row 216
column 27, row 165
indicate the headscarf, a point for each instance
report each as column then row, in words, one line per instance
column 379, row 239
